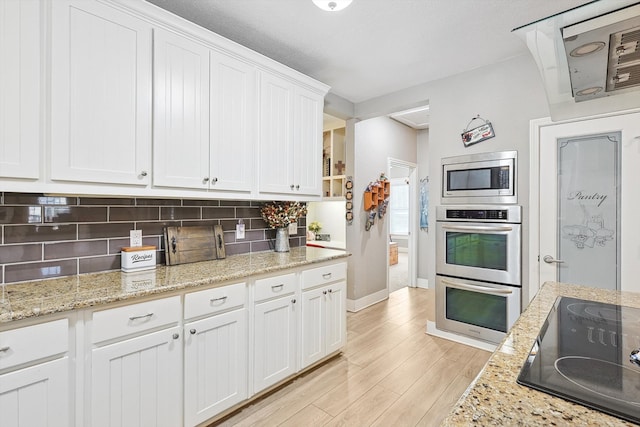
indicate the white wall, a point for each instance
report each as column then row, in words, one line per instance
column 330, row 214
column 375, row 140
column 509, row 94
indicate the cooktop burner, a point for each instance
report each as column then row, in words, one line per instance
column 584, row 354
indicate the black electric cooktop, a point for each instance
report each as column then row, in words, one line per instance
column 583, row 354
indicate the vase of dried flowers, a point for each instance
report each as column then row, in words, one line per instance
column 279, row 215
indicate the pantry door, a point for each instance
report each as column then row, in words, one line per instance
column 588, row 175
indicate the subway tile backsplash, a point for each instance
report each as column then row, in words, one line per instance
column 43, row 236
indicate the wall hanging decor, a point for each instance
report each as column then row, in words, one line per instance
column 424, row 204
column 376, row 199
column 477, row 134
column 348, row 185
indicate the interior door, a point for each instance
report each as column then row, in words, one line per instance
column 588, row 176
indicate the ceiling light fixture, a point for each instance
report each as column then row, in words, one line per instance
column 587, row 49
column 589, row 91
column 332, row 5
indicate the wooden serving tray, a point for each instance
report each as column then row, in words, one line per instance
column 193, row 244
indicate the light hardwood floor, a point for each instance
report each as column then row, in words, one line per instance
column 390, row 374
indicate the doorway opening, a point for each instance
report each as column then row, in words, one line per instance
column 402, row 225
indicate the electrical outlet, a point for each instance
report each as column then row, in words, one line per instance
column 135, row 238
column 293, row 228
column 239, row 231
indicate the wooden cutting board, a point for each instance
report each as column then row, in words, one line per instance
column 192, row 244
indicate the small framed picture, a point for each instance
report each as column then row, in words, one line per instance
column 349, row 195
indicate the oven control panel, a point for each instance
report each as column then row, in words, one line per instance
column 504, row 213
column 476, row 214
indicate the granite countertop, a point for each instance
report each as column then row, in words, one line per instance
column 29, row 299
column 494, row 397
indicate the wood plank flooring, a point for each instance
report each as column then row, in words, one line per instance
column 390, row 374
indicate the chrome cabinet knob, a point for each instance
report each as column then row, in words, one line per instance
column 214, row 180
column 143, row 173
column 205, row 179
column 293, row 301
column 176, row 336
column 192, row 331
column 291, row 186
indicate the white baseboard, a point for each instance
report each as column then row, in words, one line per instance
column 482, row 345
column 423, row 283
column 354, row 305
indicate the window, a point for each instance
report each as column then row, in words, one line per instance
column 399, row 207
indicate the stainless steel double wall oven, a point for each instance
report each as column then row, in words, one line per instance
column 478, row 248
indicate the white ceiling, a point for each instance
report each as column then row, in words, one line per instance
column 374, row 47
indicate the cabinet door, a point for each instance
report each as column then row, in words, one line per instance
column 215, row 365
column 276, row 135
column 313, row 321
column 19, row 88
column 233, row 123
column 336, row 317
column 137, row 382
column 100, row 94
column 181, row 112
column 307, row 146
column 275, row 341
column 36, row 396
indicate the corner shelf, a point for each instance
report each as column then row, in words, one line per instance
column 333, row 163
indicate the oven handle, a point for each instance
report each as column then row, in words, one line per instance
column 478, row 228
column 476, row 288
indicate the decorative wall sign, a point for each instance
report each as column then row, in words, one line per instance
column 477, row 134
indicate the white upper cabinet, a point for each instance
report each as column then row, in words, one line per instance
column 20, row 104
column 233, row 123
column 307, row 147
column 100, row 94
column 181, row 112
column 204, row 111
column 276, row 135
column 290, row 138
column 139, row 103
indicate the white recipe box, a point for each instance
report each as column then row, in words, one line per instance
column 137, row 258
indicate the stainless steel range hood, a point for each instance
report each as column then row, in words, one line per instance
column 588, row 57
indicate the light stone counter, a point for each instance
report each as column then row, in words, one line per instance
column 494, row 398
column 29, row 299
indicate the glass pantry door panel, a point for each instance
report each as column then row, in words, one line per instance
column 589, row 210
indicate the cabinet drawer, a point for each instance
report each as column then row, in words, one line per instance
column 134, row 318
column 275, row 286
column 214, row 300
column 321, row 275
column 23, row 345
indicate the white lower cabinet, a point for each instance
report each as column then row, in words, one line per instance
column 36, row 393
column 174, row 361
column 275, row 331
column 324, row 329
column 323, row 322
column 215, row 353
column 137, row 381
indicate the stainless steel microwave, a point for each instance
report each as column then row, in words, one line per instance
column 480, row 178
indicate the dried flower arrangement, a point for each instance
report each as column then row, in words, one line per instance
column 281, row 214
